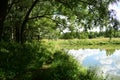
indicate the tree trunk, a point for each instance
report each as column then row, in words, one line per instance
column 3, row 12
column 25, row 21
column 1, row 29
column 17, row 34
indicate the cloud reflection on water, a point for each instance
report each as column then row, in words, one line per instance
column 108, row 64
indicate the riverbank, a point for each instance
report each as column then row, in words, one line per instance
column 40, row 61
column 101, row 43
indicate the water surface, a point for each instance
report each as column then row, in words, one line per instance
column 108, row 61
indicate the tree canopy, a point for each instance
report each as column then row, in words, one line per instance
column 21, row 20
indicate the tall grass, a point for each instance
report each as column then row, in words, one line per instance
column 101, row 43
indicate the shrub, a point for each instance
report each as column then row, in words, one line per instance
column 83, row 35
column 17, row 60
column 38, row 61
column 63, row 67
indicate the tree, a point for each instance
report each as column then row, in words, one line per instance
column 16, row 15
column 3, row 13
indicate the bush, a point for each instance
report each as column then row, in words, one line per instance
column 92, row 35
column 17, row 60
column 83, row 35
column 14, row 59
column 63, row 67
column 38, row 61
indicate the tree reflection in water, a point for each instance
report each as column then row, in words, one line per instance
column 109, row 51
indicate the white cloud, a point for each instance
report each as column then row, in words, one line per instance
column 107, row 68
column 81, row 54
column 118, row 65
column 116, row 7
column 117, row 53
column 103, row 59
column 106, row 61
column 108, row 64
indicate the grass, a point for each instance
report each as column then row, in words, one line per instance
column 40, row 61
column 101, row 43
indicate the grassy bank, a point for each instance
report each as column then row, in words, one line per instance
column 40, row 61
column 101, row 43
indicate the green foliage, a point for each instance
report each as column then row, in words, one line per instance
column 16, row 60
column 109, row 33
column 73, row 35
column 93, row 35
column 83, row 35
column 66, row 36
column 46, row 18
column 92, row 74
column 65, row 67
column 37, row 60
column 44, row 28
column 62, row 67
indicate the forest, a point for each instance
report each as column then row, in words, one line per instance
column 26, row 25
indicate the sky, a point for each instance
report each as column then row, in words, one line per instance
column 116, row 7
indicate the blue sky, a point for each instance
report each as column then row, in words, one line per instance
column 119, row 5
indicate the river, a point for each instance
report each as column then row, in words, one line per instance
column 108, row 61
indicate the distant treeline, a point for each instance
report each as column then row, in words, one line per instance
column 85, row 35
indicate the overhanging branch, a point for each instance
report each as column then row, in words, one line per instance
column 39, row 16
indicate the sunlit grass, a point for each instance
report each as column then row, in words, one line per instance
column 101, row 43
